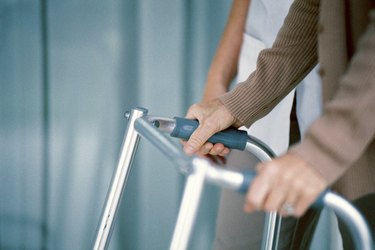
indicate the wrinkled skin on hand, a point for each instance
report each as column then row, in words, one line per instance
column 288, row 179
column 285, row 180
column 213, row 117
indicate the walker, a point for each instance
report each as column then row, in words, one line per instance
column 199, row 170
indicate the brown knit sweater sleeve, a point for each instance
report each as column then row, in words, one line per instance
column 280, row 68
column 336, row 140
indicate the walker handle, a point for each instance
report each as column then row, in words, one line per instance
column 231, row 138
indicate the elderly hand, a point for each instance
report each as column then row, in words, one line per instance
column 286, row 184
column 213, row 117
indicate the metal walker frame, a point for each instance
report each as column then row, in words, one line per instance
column 198, row 171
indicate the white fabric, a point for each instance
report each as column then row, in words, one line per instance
column 265, row 18
column 273, row 129
column 308, row 104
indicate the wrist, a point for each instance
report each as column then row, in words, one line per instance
column 213, row 90
column 219, row 75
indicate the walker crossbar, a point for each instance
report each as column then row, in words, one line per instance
column 198, row 171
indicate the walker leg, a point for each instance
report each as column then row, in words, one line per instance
column 272, row 223
column 271, row 231
column 189, row 206
column 119, row 180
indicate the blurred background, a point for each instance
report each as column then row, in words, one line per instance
column 68, row 72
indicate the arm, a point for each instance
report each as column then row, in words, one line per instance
column 279, row 70
column 224, row 65
column 288, row 179
column 332, row 145
column 339, row 137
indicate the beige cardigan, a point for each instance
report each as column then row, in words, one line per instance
column 340, row 144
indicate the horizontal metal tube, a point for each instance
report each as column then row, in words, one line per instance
column 149, row 126
column 352, row 218
column 144, row 126
column 224, row 178
column 254, row 145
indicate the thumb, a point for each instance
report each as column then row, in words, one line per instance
column 198, row 138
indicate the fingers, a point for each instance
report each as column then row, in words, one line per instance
column 212, row 149
column 199, row 137
column 286, row 184
column 308, row 195
column 216, row 159
column 258, row 191
column 287, row 207
column 213, row 117
column 217, row 149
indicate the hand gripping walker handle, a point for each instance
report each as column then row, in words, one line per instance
column 231, row 138
column 249, row 176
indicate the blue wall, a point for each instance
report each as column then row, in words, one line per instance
column 68, row 72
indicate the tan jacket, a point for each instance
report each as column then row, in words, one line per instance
column 340, row 144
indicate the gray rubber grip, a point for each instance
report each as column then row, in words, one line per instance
column 231, row 138
column 248, row 177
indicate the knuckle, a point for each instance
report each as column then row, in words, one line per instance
column 310, row 192
column 270, row 207
column 287, row 177
column 298, row 184
column 195, row 142
column 208, row 146
column 217, row 149
column 272, row 169
column 210, row 125
column 205, row 149
column 213, row 152
column 192, row 109
column 194, row 112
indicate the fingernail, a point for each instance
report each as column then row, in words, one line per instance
column 189, row 150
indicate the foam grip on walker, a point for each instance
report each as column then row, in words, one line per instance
column 248, row 177
column 230, row 138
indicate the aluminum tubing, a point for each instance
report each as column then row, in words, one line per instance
column 118, row 182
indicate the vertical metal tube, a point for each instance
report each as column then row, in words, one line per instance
column 273, row 219
column 189, row 205
column 118, row 183
column 271, row 231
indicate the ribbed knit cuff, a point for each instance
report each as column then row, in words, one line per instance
column 244, row 111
